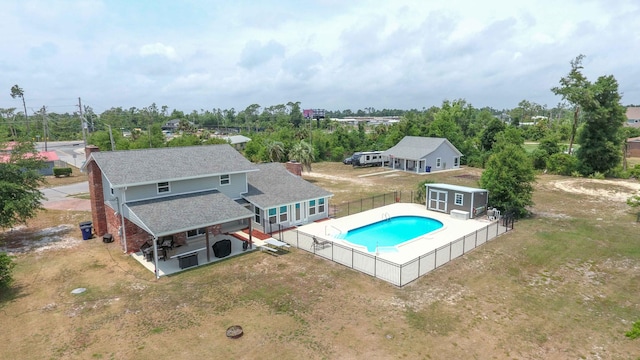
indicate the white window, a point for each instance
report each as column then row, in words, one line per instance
column 111, row 191
column 320, row 206
column 459, row 199
column 312, row 207
column 283, row 214
column 163, row 187
column 456, row 161
column 224, row 179
column 272, row 216
column 196, row 232
column 438, row 162
column 257, row 212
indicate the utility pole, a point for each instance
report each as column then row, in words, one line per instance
column 44, row 126
column 113, row 146
column 84, row 136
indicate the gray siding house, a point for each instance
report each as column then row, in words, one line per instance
column 422, row 154
column 188, row 193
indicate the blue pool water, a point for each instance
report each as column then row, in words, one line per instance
column 391, row 232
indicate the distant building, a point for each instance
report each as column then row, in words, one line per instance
column 633, row 116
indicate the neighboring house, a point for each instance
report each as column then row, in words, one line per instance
column 422, row 154
column 465, row 201
column 49, row 157
column 186, row 192
column 239, row 142
column 633, row 147
column 633, row 116
column 173, row 124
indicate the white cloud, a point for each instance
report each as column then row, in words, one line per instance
column 159, row 49
column 327, row 53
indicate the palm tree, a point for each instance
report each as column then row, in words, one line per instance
column 275, row 150
column 302, row 152
column 16, row 91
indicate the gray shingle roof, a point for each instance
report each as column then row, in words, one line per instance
column 169, row 215
column 147, row 166
column 417, row 147
column 274, row 185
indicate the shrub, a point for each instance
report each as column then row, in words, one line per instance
column 562, row 164
column 635, row 171
column 597, row 175
column 6, row 270
column 59, row 172
column 635, row 331
column 539, row 157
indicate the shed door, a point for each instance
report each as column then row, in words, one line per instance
column 437, row 200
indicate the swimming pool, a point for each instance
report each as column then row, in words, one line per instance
column 390, row 232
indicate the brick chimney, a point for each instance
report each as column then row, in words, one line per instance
column 294, row 167
column 97, row 195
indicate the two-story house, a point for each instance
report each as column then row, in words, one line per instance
column 189, row 192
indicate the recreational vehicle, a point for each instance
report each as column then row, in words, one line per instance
column 367, row 158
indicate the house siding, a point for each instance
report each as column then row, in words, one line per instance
column 236, row 187
column 446, row 155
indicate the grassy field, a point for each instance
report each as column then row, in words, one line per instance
column 563, row 285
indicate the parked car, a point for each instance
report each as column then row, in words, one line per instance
column 349, row 160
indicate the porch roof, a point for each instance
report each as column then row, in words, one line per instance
column 169, row 215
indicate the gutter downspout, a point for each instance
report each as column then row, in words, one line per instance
column 123, row 227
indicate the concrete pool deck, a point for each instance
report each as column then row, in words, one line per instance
column 452, row 230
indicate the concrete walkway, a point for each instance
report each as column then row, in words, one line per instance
column 61, row 197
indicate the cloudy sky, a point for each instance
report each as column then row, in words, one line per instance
column 332, row 54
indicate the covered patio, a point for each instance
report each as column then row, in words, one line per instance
column 188, row 230
column 195, row 251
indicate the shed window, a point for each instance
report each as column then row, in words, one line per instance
column 438, row 162
column 163, row 187
column 283, row 214
column 321, row 205
column 456, row 161
column 459, row 199
column 224, row 179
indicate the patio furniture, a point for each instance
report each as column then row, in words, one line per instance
column 222, row 248
column 320, row 243
column 277, row 243
column 166, row 242
column 187, row 259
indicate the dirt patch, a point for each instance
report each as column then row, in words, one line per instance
column 613, row 190
column 22, row 239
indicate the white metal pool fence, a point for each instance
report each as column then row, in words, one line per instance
column 397, row 274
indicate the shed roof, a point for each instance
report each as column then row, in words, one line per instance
column 417, row 147
column 274, row 185
column 456, row 188
column 147, row 166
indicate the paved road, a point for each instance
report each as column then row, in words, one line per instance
column 71, row 152
column 59, row 197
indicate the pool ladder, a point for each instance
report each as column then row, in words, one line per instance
column 386, row 216
column 326, row 230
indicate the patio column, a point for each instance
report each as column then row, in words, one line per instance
column 155, row 257
column 206, row 241
column 250, row 234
